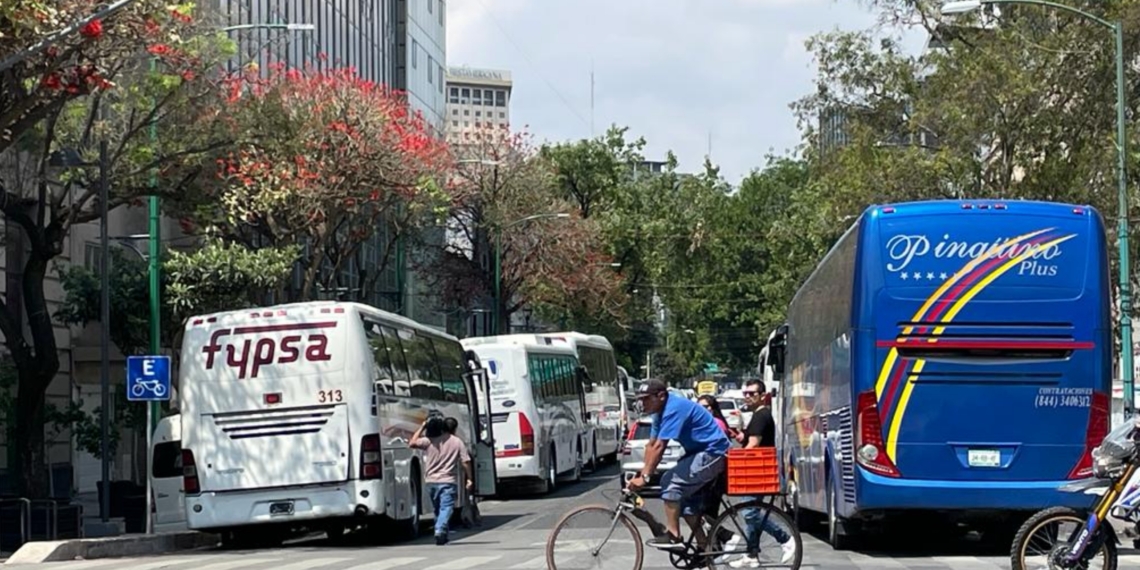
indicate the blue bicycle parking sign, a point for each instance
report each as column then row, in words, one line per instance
column 148, row 378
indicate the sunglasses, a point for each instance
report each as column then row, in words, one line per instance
column 751, row 393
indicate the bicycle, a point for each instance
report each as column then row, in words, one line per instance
column 725, row 536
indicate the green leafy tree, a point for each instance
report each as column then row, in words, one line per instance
column 1016, row 102
column 215, row 277
column 93, row 83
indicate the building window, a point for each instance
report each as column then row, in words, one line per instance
column 415, row 54
column 465, row 98
column 439, row 72
column 431, row 68
column 488, row 97
column 478, row 113
column 431, row 6
column 442, row 9
column 92, row 253
column 454, row 95
column 467, row 112
column 476, row 96
column 455, row 111
column 502, row 114
column 455, row 123
column 500, row 98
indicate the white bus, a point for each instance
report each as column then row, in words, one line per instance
column 608, row 390
column 297, row 417
column 537, row 402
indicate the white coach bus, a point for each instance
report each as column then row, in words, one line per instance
column 537, row 408
column 297, row 417
column 607, row 390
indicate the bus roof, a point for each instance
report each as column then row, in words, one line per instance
column 319, row 307
column 520, row 342
column 577, row 338
column 571, row 338
column 942, row 207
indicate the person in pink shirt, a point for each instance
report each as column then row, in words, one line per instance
column 443, row 453
column 709, row 403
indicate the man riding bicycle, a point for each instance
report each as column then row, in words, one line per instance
column 676, row 417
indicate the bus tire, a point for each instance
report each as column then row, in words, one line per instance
column 551, row 482
column 836, row 527
column 409, row 528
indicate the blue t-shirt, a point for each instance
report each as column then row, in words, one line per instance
column 691, row 425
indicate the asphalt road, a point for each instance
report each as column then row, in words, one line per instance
column 513, row 537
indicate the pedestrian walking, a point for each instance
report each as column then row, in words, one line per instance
column 444, row 453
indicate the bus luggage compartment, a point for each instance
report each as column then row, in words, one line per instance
column 274, row 448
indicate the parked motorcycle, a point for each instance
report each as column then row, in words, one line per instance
column 1064, row 538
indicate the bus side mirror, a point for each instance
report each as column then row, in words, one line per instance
column 584, row 379
column 777, row 349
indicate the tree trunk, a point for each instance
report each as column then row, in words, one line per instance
column 36, row 367
column 30, row 439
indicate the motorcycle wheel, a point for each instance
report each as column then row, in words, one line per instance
column 1040, row 542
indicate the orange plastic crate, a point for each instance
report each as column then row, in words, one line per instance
column 753, row 471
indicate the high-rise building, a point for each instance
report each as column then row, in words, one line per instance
column 400, row 43
column 361, row 35
column 477, row 98
column 421, row 39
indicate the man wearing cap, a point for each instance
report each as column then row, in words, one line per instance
column 678, row 418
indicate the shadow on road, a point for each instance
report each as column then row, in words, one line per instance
column 917, row 542
column 605, row 477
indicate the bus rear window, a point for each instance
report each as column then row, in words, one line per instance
column 1018, row 252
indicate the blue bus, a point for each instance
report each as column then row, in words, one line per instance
column 947, row 358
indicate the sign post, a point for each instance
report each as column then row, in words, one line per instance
column 148, row 380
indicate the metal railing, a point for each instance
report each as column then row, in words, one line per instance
column 37, row 519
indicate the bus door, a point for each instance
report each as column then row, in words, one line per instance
column 479, row 402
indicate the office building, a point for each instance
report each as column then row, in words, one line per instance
column 394, row 42
column 477, row 98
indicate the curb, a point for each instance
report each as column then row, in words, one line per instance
column 113, row 547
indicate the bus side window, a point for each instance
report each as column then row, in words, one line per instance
column 400, row 377
column 382, row 364
column 451, row 369
column 421, row 363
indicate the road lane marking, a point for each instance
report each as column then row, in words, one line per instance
column 464, row 563
column 387, row 564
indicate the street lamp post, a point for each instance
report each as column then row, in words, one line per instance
column 496, row 314
column 1125, row 283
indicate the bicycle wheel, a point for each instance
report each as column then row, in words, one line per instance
column 594, row 536
column 779, row 544
column 1046, row 535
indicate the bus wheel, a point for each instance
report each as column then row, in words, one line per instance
column 410, row 527
column 836, row 531
column 551, row 472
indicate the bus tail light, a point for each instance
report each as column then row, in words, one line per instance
column 1095, row 433
column 526, row 431
column 370, row 461
column 870, row 451
column 190, row 484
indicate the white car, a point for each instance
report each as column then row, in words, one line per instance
column 732, row 410
column 166, row 476
column 633, row 453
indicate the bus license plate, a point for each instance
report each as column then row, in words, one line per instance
column 984, row 458
column 282, row 508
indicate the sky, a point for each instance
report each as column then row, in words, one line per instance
column 681, row 73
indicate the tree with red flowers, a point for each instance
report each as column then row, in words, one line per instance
column 325, row 158
column 69, row 81
column 552, row 264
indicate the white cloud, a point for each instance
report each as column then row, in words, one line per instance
column 672, row 70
